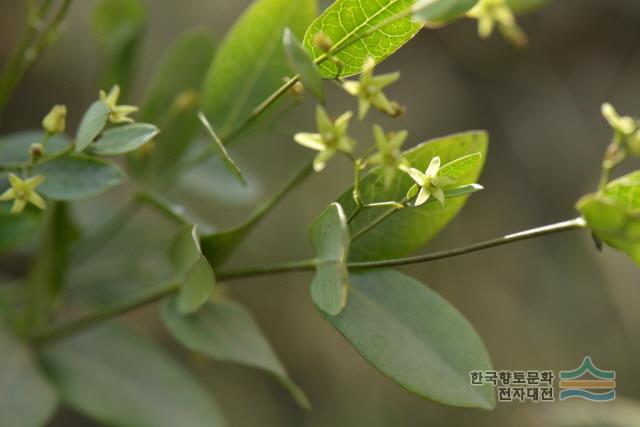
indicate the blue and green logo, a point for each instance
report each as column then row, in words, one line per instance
column 588, row 382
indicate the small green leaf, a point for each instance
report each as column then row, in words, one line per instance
column 226, row 331
column 184, row 250
column 415, row 337
column 329, row 235
column 346, row 21
column 118, row 27
column 410, row 228
column 614, row 214
column 250, row 63
column 26, row 398
column 14, row 148
column 91, row 124
column 118, row 377
column 444, row 10
column 76, row 177
column 220, row 150
column 301, row 63
column 123, row 139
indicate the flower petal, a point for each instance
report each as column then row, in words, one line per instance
column 34, row 181
column 310, row 140
column 417, row 176
column 423, row 196
column 324, row 123
column 18, row 206
column 321, row 159
column 433, row 168
column 439, row 195
column 342, row 122
column 353, row 88
column 8, row 195
column 37, row 200
column 384, row 80
column 14, row 180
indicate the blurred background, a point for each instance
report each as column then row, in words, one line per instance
column 541, row 304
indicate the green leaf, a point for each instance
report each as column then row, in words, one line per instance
column 250, row 63
column 410, row 228
column 444, row 10
column 226, row 331
column 415, row 337
column 329, row 235
column 92, row 123
column 123, row 139
column 118, row 377
column 198, row 281
column 614, row 214
column 301, row 63
column 220, row 150
column 346, row 21
column 173, row 97
column 14, row 148
column 26, row 398
column 118, row 27
column 76, row 177
column 17, row 229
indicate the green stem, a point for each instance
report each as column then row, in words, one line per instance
column 364, row 230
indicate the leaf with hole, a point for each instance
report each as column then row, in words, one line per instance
column 415, row 337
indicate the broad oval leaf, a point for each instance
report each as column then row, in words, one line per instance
column 301, row 63
column 123, row 139
column 443, row 10
column 226, row 331
column 410, row 228
column 348, row 20
column 14, row 148
column 250, row 63
column 614, row 214
column 92, row 123
column 118, row 377
column 76, row 177
column 26, row 397
column 415, row 337
column 329, row 235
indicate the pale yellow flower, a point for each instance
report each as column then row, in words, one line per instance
column 117, row 113
column 23, row 192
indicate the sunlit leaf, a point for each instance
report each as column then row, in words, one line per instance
column 226, row 331
column 250, row 63
column 415, row 337
column 301, row 63
column 348, row 20
column 410, row 228
column 329, row 235
column 26, row 397
column 118, row 377
column 123, row 139
column 76, row 177
column 14, row 148
column 92, row 123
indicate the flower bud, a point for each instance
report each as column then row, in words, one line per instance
column 54, row 122
column 322, row 42
column 36, row 151
column 633, row 144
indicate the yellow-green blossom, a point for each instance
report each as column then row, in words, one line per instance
column 54, row 122
column 389, row 155
column 23, row 192
column 332, row 137
column 117, row 113
column 624, row 125
column 369, row 90
column 492, row 13
column 429, row 182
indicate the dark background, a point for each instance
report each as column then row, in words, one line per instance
column 540, row 304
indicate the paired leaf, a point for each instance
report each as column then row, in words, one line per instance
column 301, row 63
column 442, row 10
column 173, row 97
column 119, row 378
column 76, row 177
column 329, row 235
column 118, row 26
column 346, row 22
column 14, row 148
column 26, row 398
column 123, row 139
column 92, row 123
column 198, row 281
column 415, row 337
column 410, row 228
column 220, row 150
column 226, row 331
column 614, row 214
column 250, row 63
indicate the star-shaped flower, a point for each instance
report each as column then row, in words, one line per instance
column 625, row 125
column 429, row 182
column 117, row 113
column 332, row 137
column 23, row 192
column 492, row 12
column 369, row 90
column 389, row 155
